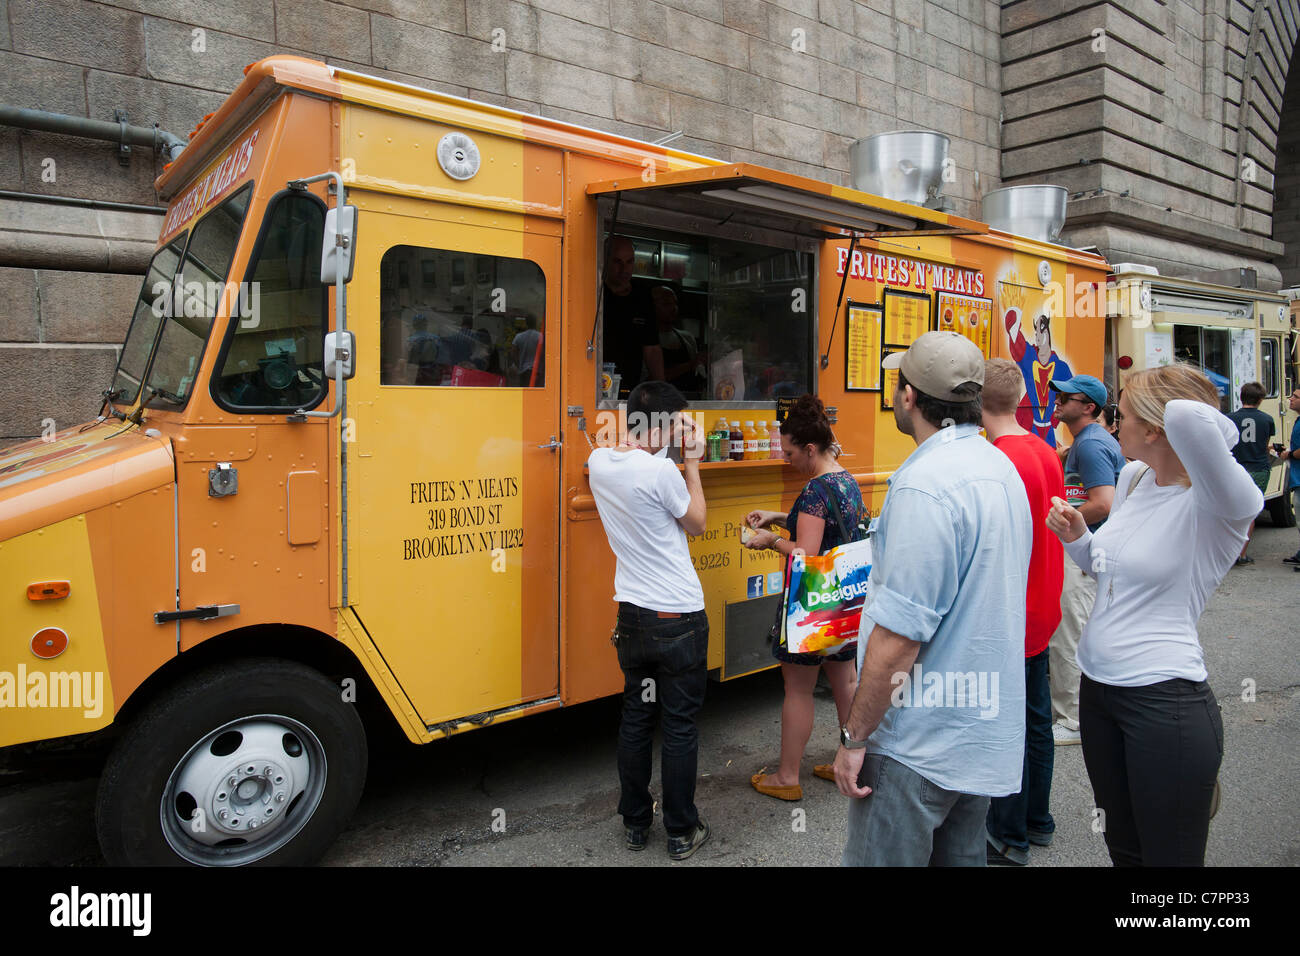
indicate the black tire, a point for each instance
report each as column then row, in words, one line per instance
column 1280, row 510
column 248, row 701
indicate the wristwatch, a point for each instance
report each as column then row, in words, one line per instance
column 849, row 742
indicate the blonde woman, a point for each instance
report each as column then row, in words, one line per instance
column 1152, row 733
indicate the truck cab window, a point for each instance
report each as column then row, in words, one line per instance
column 461, row 319
column 200, row 285
column 273, row 358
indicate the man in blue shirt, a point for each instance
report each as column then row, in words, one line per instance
column 1092, row 467
column 1251, row 452
column 937, row 724
column 1292, row 457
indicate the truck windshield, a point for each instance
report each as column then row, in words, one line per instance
column 176, row 307
column 149, row 307
column 199, row 286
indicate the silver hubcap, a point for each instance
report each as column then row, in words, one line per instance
column 243, row 791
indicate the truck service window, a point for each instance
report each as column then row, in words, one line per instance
column 1206, row 348
column 461, row 318
column 150, row 307
column 201, row 284
column 734, row 320
column 273, row 359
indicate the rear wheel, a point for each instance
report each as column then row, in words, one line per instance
column 1280, row 510
column 256, row 761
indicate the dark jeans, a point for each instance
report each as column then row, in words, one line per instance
column 664, row 673
column 1152, row 754
column 1011, row 818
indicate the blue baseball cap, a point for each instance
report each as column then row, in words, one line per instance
column 1083, row 385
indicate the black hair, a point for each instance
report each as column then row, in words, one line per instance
column 941, row 414
column 1252, row 393
column 652, row 404
column 806, row 423
column 1109, row 414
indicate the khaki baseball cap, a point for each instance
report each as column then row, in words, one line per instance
column 938, row 362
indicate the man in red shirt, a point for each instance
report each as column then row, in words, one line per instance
column 1023, row 818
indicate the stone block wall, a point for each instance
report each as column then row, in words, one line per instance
column 1160, row 116
column 1286, row 202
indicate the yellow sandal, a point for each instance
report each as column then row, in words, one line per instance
column 780, row 791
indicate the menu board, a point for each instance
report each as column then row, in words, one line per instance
column 966, row 315
column 907, row 317
column 862, row 348
column 889, row 382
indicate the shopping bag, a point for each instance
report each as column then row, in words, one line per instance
column 460, row 375
column 824, row 597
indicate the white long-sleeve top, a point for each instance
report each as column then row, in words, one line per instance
column 1162, row 552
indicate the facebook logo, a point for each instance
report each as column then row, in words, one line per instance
column 754, row 586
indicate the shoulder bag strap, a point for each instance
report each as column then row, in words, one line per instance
column 839, row 519
column 1137, row 478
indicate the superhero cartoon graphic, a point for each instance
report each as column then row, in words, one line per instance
column 1039, row 365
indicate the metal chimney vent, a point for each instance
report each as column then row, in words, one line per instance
column 905, row 165
column 1036, row 212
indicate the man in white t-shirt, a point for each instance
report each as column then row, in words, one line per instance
column 647, row 508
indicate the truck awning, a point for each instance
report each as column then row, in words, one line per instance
column 742, row 193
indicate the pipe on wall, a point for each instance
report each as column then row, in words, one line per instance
column 166, row 144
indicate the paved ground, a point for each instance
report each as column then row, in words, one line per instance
column 550, row 779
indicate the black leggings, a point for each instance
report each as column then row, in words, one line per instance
column 1152, row 754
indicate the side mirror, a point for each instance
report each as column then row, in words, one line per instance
column 340, row 347
column 336, row 259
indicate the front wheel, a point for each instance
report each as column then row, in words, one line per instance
column 257, row 761
column 1280, row 510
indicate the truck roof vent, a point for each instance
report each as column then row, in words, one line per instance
column 1036, row 212
column 904, row 165
column 1119, row 267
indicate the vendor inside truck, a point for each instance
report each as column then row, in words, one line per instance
column 727, row 321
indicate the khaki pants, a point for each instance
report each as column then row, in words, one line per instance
column 1078, row 593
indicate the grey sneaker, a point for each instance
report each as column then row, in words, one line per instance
column 681, row 847
column 1063, row 736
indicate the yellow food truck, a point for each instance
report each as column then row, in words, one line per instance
column 1233, row 335
column 341, row 462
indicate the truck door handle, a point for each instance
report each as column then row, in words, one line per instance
column 204, row 612
column 552, row 445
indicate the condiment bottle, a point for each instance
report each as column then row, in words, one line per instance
column 764, row 441
column 774, row 435
column 737, row 439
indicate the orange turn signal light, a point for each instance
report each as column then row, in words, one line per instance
column 49, row 590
